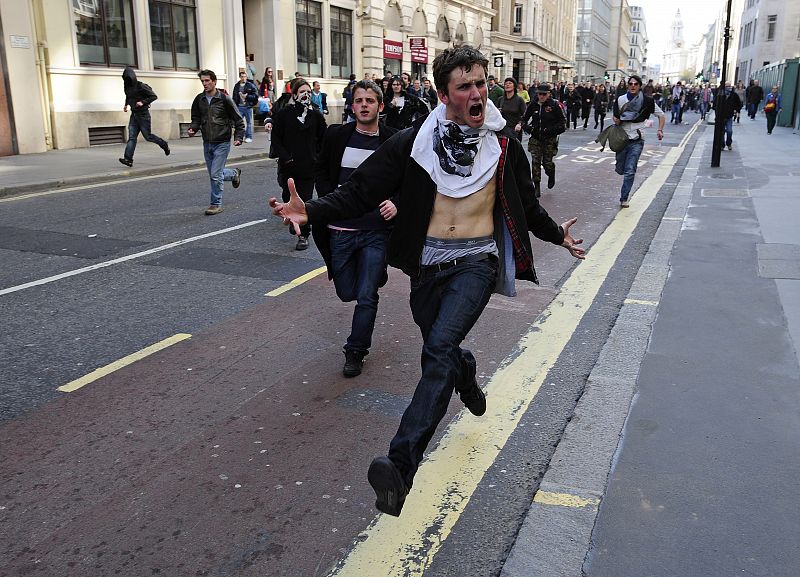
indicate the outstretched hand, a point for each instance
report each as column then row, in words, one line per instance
column 570, row 243
column 292, row 212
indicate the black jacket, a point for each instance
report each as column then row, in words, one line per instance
column 327, row 170
column 296, row 145
column 545, row 120
column 246, row 95
column 391, row 170
column 413, row 108
column 601, row 101
column 573, row 99
column 733, row 104
column 217, row 119
column 136, row 91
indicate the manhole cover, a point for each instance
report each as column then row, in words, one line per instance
column 725, row 192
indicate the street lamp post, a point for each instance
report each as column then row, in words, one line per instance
column 719, row 124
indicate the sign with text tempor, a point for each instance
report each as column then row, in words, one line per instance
column 419, row 50
column 498, row 60
column 392, row 50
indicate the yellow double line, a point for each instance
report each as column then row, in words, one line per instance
column 450, row 474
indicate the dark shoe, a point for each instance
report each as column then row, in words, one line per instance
column 166, row 150
column 551, row 179
column 595, row 125
column 213, row 209
column 237, row 179
column 390, row 489
column 537, row 191
column 302, row 243
column 473, row 396
column 353, row 362
column 730, row 147
column 126, row 161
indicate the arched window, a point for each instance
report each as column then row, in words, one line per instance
column 419, row 24
column 393, row 16
column 442, row 29
column 461, row 34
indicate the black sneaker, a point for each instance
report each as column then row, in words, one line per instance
column 537, row 191
column 302, row 243
column 472, row 396
column 353, row 363
column 551, row 179
column 237, row 179
column 390, row 489
column 166, row 150
column 126, row 161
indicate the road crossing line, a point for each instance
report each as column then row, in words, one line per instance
column 122, row 259
column 73, row 386
column 451, row 472
column 296, row 282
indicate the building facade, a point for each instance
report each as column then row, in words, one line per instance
column 619, row 47
column 769, row 31
column 637, row 58
column 592, row 42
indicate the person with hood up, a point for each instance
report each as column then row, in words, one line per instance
column 138, row 96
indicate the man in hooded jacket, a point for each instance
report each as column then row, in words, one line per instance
column 138, row 96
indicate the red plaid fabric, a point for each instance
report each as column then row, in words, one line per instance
column 522, row 259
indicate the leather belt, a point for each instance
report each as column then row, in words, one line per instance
column 440, row 266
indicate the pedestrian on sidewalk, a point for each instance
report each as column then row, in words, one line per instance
column 138, row 96
column 354, row 249
column 772, row 106
column 216, row 116
column 245, row 96
column 731, row 106
column 297, row 132
column 754, row 94
column 512, row 107
column 544, row 121
column 453, row 171
column 631, row 111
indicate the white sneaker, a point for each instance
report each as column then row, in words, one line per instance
column 248, row 140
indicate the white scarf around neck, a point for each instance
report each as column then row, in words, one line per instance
column 467, row 179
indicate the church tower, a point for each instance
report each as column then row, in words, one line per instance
column 677, row 32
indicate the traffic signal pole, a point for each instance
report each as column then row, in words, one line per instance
column 719, row 101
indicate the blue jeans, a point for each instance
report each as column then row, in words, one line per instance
column 358, row 263
column 445, row 305
column 216, row 153
column 627, row 162
column 140, row 123
column 728, row 128
column 247, row 115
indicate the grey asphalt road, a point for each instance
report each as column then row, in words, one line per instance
column 257, row 357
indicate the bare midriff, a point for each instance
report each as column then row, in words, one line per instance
column 467, row 217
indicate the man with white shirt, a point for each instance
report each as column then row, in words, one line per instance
column 631, row 111
column 466, row 205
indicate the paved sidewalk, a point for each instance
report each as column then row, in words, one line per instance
column 682, row 455
column 59, row 168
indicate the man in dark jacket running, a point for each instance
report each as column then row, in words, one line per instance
column 138, row 96
column 544, row 121
column 215, row 115
column 465, row 207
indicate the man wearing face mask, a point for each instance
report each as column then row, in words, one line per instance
column 297, row 132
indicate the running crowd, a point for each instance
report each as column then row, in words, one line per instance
column 431, row 178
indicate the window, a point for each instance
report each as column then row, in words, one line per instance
column 772, row 21
column 341, row 42
column 308, row 15
column 518, row 19
column 442, row 29
column 173, row 32
column 104, row 30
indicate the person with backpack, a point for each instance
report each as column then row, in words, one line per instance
column 772, row 106
column 631, row 110
column 245, row 96
column 138, row 96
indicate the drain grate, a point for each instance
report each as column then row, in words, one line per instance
column 725, row 192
